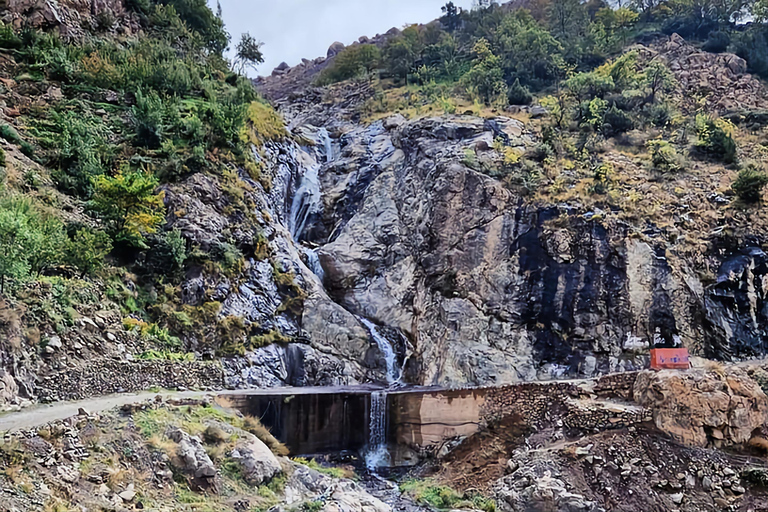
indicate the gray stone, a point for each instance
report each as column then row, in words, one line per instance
column 257, row 462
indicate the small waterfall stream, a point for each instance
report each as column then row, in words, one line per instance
column 313, row 262
column 306, row 201
column 387, row 351
column 377, row 453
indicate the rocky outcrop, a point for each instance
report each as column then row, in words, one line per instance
column 72, row 18
column 526, row 490
column 486, row 288
column 336, row 495
column 257, row 462
column 722, row 407
column 722, row 77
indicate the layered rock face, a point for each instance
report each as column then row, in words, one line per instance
column 467, row 279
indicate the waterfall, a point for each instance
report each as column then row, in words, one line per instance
column 306, row 201
column 377, row 454
column 326, row 149
column 313, row 262
column 390, row 357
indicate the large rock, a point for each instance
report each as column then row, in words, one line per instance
column 195, row 461
column 335, row 49
column 338, row 495
column 256, row 460
column 701, row 407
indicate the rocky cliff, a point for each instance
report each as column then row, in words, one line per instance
column 480, row 282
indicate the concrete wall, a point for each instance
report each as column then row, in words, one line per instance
column 422, row 421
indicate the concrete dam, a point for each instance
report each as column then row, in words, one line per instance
column 400, row 426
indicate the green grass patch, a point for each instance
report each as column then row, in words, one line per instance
column 443, row 497
column 332, row 471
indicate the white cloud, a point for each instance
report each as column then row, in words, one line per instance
column 296, row 29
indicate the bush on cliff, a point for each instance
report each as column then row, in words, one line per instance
column 750, row 183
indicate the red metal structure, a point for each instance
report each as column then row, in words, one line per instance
column 670, row 359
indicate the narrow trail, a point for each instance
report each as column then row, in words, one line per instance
column 39, row 415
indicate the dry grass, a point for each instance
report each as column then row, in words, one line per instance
column 255, row 427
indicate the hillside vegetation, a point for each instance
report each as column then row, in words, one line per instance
column 96, row 127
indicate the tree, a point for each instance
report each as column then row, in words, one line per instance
column 485, row 80
column 402, row 52
column 451, row 16
column 519, row 94
column 529, row 51
column 46, row 242
column 656, row 79
column 248, row 53
column 87, row 250
column 351, row 62
column 13, row 231
column 199, row 17
column 568, row 22
column 129, row 206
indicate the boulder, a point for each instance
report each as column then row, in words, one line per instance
column 256, row 460
column 195, row 461
column 700, row 407
column 335, row 48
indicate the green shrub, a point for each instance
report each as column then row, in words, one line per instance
column 129, row 205
column 750, row 183
column 82, row 151
column 716, row 138
column 167, row 254
column 443, row 497
column 616, row 121
column 147, row 119
column 87, row 250
column 30, row 239
column 717, row 42
column 351, row 62
column 8, row 38
column 664, row 157
column 518, row 94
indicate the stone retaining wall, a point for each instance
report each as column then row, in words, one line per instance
column 109, row 376
column 535, row 400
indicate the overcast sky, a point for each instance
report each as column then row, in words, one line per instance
column 296, row 29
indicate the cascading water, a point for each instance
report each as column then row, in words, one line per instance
column 327, row 146
column 313, row 262
column 390, row 357
column 377, row 454
column 306, row 201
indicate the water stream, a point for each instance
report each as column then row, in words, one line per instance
column 313, row 263
column 306, row 201
column 377, row 452
column 386, row 349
